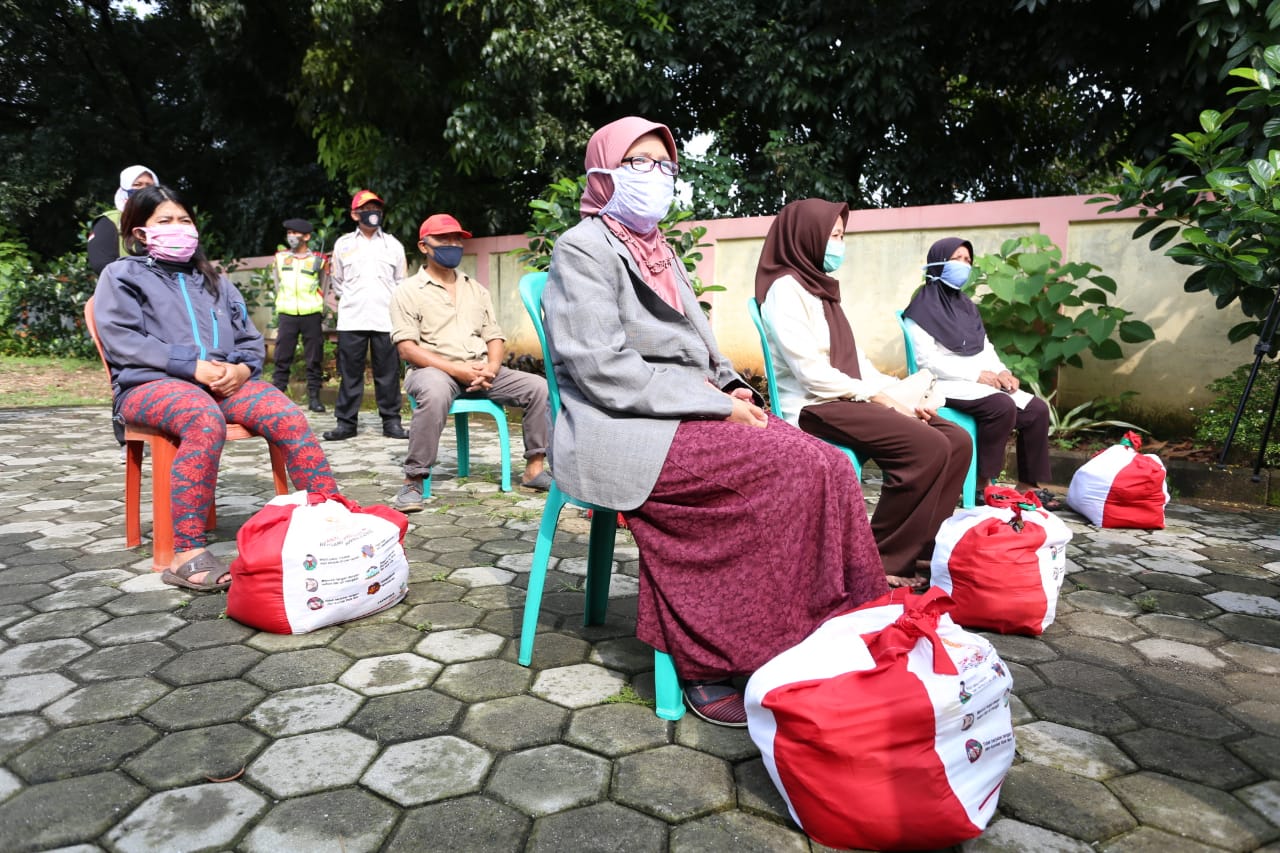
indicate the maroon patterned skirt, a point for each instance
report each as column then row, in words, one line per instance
column 749, row 540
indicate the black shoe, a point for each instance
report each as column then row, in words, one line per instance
column 394, row 431
column 314, row 404
column 340, row 433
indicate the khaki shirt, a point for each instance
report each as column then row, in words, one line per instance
column 458, row 330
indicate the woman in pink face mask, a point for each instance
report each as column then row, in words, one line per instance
column 185, row 358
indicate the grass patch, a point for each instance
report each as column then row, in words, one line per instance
column 29, row 381
column 628, row 696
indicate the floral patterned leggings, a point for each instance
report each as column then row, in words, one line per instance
column 200, row 422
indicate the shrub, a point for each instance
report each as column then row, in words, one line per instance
column 1213, row 422
column 42, row 304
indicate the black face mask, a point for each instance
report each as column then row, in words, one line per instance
column 370, row 218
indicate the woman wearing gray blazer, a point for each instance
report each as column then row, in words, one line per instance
column 750, row 532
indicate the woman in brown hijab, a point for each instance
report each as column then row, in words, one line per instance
column 829, row 389
column 750, row 532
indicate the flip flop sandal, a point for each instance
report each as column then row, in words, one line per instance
column 202, row 562
column 540, row 483
column 1050, row 501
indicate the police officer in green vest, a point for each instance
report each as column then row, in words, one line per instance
column 299, row 277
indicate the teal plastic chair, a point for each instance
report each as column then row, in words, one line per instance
column 753, row 308
column 604, row 526
column 461, row 408
column 969, row 498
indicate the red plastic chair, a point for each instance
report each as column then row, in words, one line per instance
column 164, row 449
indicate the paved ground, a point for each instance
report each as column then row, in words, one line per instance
column 1148, row 716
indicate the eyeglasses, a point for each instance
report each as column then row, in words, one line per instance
column 640, row 163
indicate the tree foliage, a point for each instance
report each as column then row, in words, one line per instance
column 261, row 109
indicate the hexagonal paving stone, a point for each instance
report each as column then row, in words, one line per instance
column 577, row 686
column 549, row 779
column 443, row 616
column 55, row 814
column 271, row 643
column 68, row 598
column 1193, row 811
column 81, row 750
column 602, row 828
column 1079, row 710
column 390, row 674
column 516, row 722
column 121, row 662
column 738, row 832
column 1171, row 652
column 196, row 756
column 203, row 817
column 478, row 681
column 464, row 825
column 483, row 575
column 1179, row 628
column 305, row 709
column 1182, row 717
column 406, row 716
column 756, row 792
column 204, row 705
column 214, row 664
column 347, row 821
column 1086, row 678
column 56, row 625
column 286, row 670
column 210, row 633
column 32, row 692
column 44, row 656
column 159, row 601
column 462, row 644
column 1187, row 757
column 617, row 729
column 19, row 730
column 370, row 640
column 1034, row 794
column 731, row 744
column 1014, row 836
column 1072, row 750
column 424, row 771
column 110, row 701
column 136, row 629
column 1252, row 656
column 673, row 783
column 305, row 764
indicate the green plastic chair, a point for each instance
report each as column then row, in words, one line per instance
column 604, row 525
column 969, row 497
column 753, row 308
column 461, row 408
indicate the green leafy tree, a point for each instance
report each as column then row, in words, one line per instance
column 1042, row 314
column 1217, row 193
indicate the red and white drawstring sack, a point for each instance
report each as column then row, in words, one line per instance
column 1121, row 487
column 1002, row 563
column 887, row 728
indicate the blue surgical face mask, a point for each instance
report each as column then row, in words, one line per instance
column 447, row 256
column 640, row 199
column 834, row 256
column 954, row 273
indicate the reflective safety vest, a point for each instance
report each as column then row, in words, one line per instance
column 298, row 283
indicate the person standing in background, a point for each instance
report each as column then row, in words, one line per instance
column 364, row 270
column 299, row 276
column 104, row 244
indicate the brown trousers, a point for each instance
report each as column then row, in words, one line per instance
column 997, row 416
column 924, row 465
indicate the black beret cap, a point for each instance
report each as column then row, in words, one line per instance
column 302, row 226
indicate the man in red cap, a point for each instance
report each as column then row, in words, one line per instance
column 364, row 269
column 444, row 326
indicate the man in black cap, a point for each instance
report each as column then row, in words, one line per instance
column 299, row 274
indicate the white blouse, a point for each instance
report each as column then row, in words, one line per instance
column 800, row 343
column 957, row 374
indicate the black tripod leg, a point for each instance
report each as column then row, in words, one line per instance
column 1260, row 349
column 1266, row 434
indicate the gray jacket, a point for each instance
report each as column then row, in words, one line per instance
column 630, row 369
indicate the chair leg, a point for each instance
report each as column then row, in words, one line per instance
column 426, row 487
column 163, row 452
column 279, row 470
column 538, row 573
column 666, row 687
column 464, row 444
column 133, row 494
column 504, row 442
column 604, row 527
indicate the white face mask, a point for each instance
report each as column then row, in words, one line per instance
column 640, row 199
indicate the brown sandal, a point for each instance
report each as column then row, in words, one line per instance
column 202, row 562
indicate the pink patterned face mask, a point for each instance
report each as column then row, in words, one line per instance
column 176, row 242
